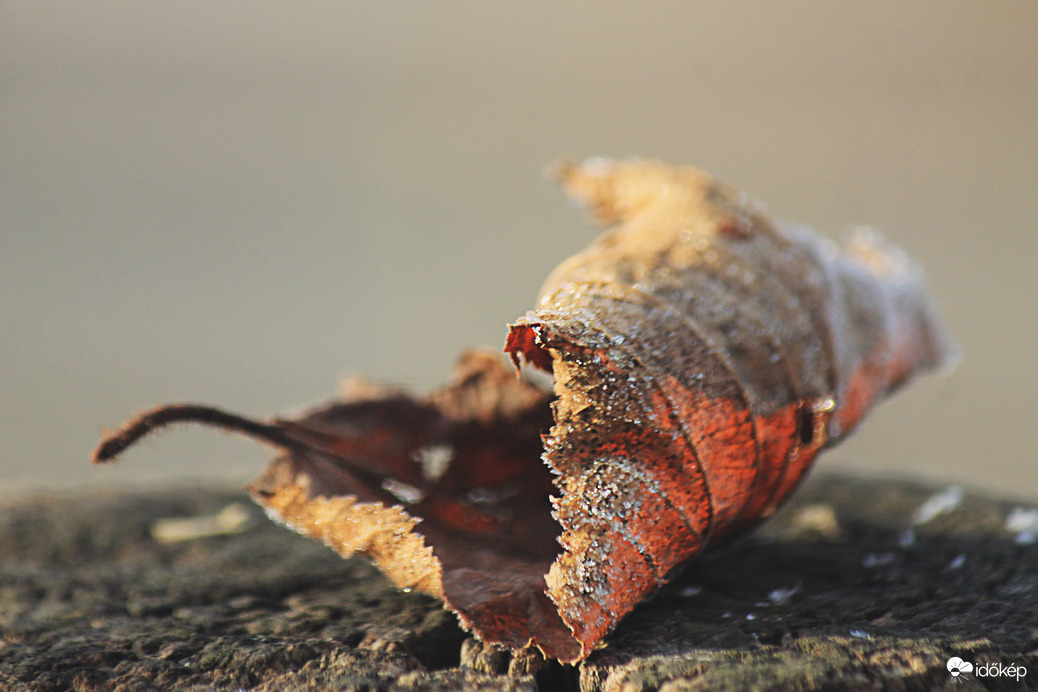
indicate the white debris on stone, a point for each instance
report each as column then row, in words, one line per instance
column 782, row 596
column 878, row 559
column 939, row 503
column 779, row 597
column 234, row 518
column 818, row 518
column 1023, row 522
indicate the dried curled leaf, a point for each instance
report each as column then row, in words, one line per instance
column 702, row 355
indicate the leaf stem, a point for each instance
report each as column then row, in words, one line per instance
column 114, row 444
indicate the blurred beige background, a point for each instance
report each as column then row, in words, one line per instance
column 239, row 202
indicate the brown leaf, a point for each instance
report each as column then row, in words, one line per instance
column 702, row 355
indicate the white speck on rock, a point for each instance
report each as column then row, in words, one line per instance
column 939, row 503
column 878, row 559
column 1024, row 523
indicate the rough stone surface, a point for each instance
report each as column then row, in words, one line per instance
column 838, row 592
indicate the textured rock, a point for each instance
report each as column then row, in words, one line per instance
column 857, row 584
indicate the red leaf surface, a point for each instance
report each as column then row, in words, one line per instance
column 702, row 355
